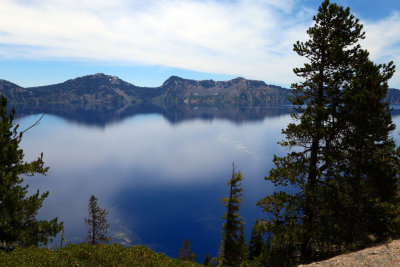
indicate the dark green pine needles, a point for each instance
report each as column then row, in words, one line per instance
column 233, row 250
column 337, row 190
column 18, row 225
column 97, row 223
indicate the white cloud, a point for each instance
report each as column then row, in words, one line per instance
column 239, row 38
column 246, row 38
column 383, row 42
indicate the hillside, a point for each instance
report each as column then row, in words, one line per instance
column 387, row 255
column 108, row 98
column 104, row 89
column 393, row 96
column 101, row 89
column 236, row 91
column 87, row 255
column 14, row 93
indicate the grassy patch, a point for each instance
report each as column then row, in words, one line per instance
column 87, row 255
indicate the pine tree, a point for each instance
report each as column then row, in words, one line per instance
column 233, row 248
column 207, row 260
column 266, row 258
column 369, row 161
column 185, row 252
column 18, row 225
column 344, row 159
column 97, row 223
column 256, row 242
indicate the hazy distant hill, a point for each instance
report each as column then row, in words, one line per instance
column 237, row 91
column 14, row 93
column 105, row 90
column 393, row 96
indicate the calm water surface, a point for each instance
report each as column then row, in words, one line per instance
column 160, row 181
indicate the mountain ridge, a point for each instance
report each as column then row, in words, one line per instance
column 106, row 89
column 102, row 89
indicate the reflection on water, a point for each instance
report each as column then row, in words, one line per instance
column 160, row 181
column 102, row 115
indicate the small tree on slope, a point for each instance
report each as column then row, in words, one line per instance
column 97, row 223
column 185, row 252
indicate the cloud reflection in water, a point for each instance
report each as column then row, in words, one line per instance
column 160, row 182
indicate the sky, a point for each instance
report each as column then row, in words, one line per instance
column 146, row 41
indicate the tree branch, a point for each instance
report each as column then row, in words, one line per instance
column 35, row 124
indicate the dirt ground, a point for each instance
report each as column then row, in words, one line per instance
column 380, row 256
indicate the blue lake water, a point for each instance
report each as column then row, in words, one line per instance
column 160, row 180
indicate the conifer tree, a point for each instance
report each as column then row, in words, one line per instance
column 233, row 248
column 18, row 225
column 344, row 159
column 256, row 242
column 367, row 182
column 185, row 252
column 97, row 223
column 266, row 258
column 207, row 260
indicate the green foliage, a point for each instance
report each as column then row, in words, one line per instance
column 267, row 257
column 233, row 251
column 97, row 223
column 207, row 260
column 256, row 242
column 185, row 252
column 18, row 225
column 370, row 164
column 87, row 255
column 342, row 177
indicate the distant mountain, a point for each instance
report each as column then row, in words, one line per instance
column 237, row 91
column 14, row 93
column 104, row 89
column 100, row 99
column 393, row 96
column 100, row 89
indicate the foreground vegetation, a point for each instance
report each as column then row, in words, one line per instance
column 87, row 255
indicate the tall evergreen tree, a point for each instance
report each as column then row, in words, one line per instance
column 97, row 223
column 369, row 162
column 344, row 159
column 18, row 225
column 233, row 248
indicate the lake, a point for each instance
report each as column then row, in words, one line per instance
column 161, row 176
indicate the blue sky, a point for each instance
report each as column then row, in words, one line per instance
column 145, row 42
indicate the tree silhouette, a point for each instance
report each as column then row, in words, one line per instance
column 18, row 225
column 342, row 178
column 97, row 223
column 233, row 248
column 185, row 252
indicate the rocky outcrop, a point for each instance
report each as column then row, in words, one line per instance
column 382, row 255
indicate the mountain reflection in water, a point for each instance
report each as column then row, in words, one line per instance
column 102, row 115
